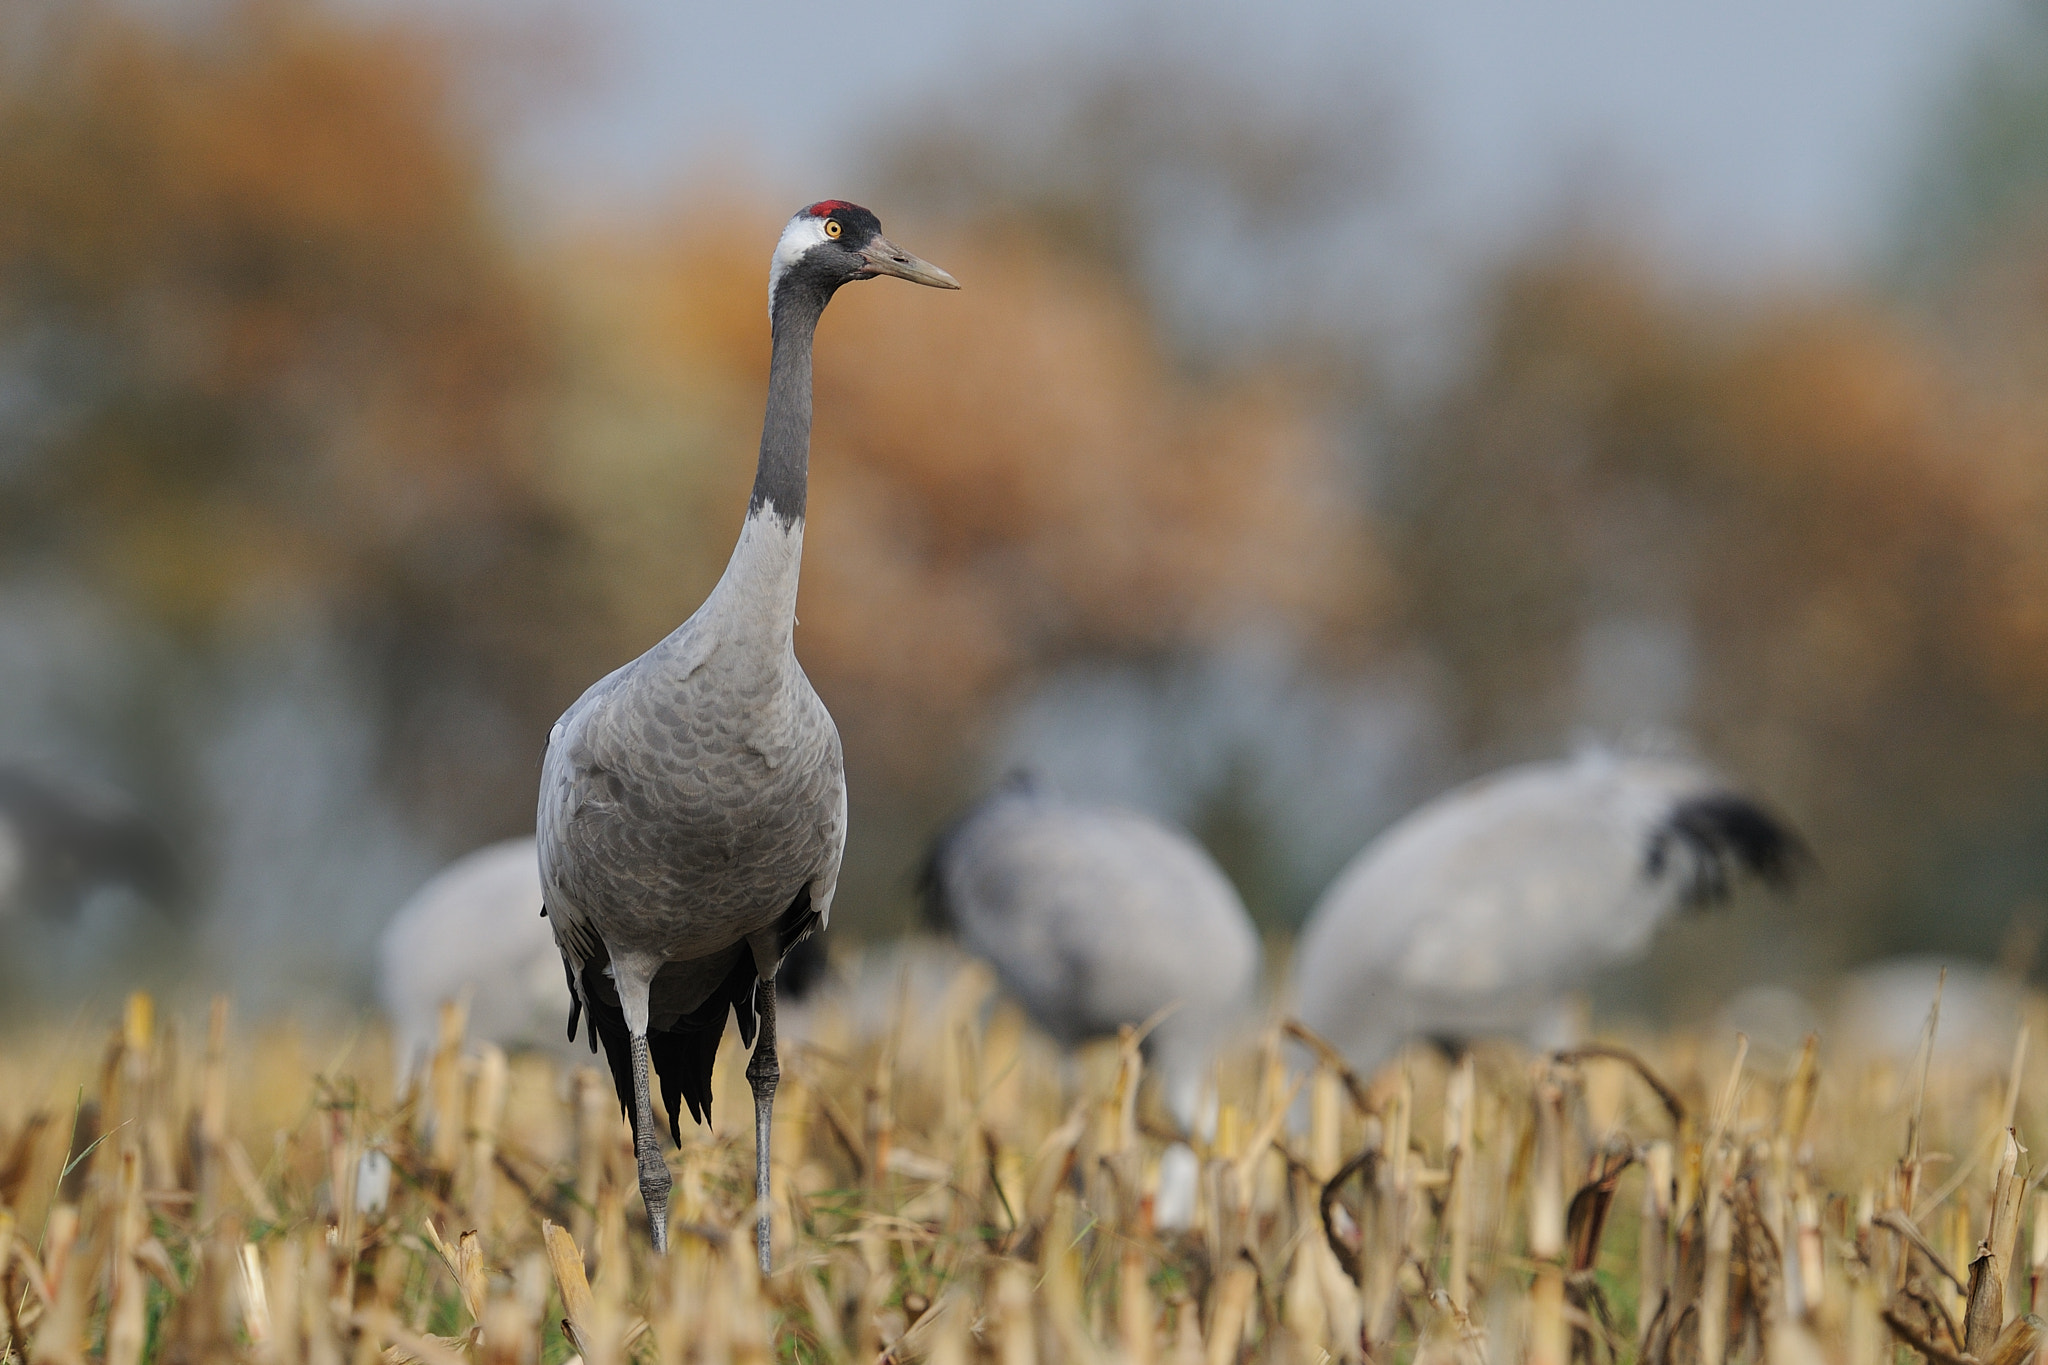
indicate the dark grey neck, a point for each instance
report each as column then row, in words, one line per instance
column 782, row 477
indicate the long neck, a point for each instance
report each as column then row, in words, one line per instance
column 782, row 477
column 756, row 599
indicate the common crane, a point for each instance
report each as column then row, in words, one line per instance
column 692, row 807
column 1095, row 917
column 1480, row 912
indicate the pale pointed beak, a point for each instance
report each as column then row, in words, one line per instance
column 884, row 257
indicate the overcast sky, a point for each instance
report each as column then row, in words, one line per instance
column 1746, row 135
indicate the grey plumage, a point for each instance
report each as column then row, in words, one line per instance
column 1095, row 917
column 706, row 775
column 692, row 807
column 1480, row 912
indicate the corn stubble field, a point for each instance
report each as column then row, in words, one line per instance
column 949, row 1190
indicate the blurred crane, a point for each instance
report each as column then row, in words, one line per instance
column 1480, row 912
column 474, row 932
column 692, row 803
column 1881, row 1009
column 61, row 842
column 1094, row 918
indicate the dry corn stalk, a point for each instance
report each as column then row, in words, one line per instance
column 486, row 1112
column 924, row 1254
column 1548, row 1343
column 443, row 1115
column 1459, row 1097
column 1232, row 1314
column 1991, row 1267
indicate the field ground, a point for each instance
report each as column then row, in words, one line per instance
column 187, row 1189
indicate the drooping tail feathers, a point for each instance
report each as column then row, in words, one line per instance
column 683, row 1053
column 1725, row 834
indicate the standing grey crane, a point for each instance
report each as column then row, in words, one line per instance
column 692, row 802
column 1480, row 912
column 1095, row 917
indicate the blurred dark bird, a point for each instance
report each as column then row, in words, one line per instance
column 1094, row 918
column 61, row 842
column 474, row 932
column 692, row 803
column 1478, row 914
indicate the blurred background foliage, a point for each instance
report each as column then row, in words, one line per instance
column 324, row 486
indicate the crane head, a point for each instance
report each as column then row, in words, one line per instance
column 832, row 242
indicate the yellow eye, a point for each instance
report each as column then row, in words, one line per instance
column 832, row 228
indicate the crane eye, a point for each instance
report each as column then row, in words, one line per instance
column 832, row 228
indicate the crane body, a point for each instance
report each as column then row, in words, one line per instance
column 1479, row 913
column 1094, row 918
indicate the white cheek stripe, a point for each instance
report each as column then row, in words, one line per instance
column 801, row 234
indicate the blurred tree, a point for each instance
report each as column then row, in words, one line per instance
column 1982, row 173
column 1239, row 206
column 1246, row 225
column 1809, row 498
column 266, row 354
column 271, row 365
column 1031, row 481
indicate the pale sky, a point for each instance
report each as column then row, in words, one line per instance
column 1749, row 136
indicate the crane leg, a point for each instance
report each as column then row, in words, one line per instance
column 654, row 1177
column 763, row 1073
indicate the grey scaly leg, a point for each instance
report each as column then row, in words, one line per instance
column 763, row 1072
column 654, row 1178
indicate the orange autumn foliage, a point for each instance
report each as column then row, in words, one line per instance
column 1847, row 527
column 307, row 340
column 275, row 359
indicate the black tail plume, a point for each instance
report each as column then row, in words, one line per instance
column 683, row 1053
column 1726, row 834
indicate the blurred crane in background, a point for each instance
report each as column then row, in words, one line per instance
column 1095, row 918
column 1480, row 913
column 62, row 841
column 475, row 933
column 1881, row 1009
column 693, row 802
